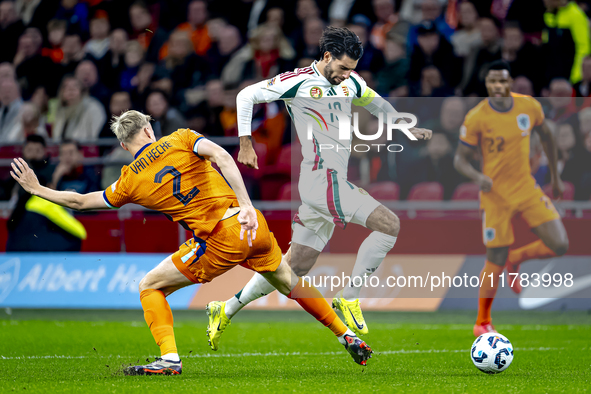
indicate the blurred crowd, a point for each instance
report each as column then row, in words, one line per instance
column 67, row 66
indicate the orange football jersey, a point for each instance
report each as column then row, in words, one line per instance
column 170, row 177
column 504, row 141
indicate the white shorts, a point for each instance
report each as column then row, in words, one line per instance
column 328, row 200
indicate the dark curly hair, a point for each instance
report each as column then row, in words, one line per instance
column 340, row 41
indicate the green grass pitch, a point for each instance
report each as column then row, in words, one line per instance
column 84, row 351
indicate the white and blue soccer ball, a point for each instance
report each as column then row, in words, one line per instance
column 491, row 353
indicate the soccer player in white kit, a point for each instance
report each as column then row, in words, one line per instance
column 317, row 95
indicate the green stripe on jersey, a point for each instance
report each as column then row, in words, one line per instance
column 291, row 93
column 358, row 94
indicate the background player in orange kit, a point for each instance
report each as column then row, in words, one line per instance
column 500, row 127
column 174, row 176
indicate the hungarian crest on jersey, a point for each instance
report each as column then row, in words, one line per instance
column 316, row 92
column 345, row 90
column 523, row 122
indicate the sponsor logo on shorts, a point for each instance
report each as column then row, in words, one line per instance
column 316, row 92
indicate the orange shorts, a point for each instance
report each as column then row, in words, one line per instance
column 203, row 261
column 497, row 230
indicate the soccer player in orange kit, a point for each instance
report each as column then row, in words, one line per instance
column 501, row 126
column 174, row 176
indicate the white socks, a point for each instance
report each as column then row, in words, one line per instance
column 342, row 339
column 371, row 254
column 171, row 357
column 256, row 288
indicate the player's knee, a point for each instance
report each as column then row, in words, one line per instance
column 301, row 268
column 391, row 225
column 146, row 283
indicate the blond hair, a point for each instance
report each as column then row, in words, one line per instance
column 126, row 126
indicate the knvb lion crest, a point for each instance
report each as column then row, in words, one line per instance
column 523, row 122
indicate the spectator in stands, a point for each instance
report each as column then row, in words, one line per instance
column 489, row 51
column 584, row 118
column 583, row 190
column 467, row 38
column 434, row 69
column 113, row 63
column 372, row 60
column 267, row 54
column 387, row 18
column 305, row 10
column 35, row 13
column 87, row 73
column 99, row 42
column 120, row 102
column 146, row 30
column 73, row 53
column 276, row 17
column 228, row 42
column 195, row 27
column 206, row 116
column 30, row 122
column 79, row 117
column 566, row 143
column 451, row 117
column 11, row 28
column 70, row 173
column 313, row 28
column 10, row 106
column 35, row 154
column 568, row 40
column 395, row 72
column 28, row 61
column 7, row 71
column 437, row 165
column 523, row 57
column 432, row 11
column 56, row 31
column 76, row 14
column 182, row 65
column 562, row 103
column 36, row 225
column 41, row 100
column 583, row 87
column 134, row 56
column 523, row 85
column 167, row 120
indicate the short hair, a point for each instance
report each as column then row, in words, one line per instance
column 68, row 141
column 499, row 65
column 339, row 41
column 35, row 139
column 126, row 126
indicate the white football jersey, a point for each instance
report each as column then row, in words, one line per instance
column 312, row 100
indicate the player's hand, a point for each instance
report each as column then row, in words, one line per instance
column 557, row 188
column 248, row 157
column 421, row 134
column 485, row 183
column 249, row 224
column 23, row 174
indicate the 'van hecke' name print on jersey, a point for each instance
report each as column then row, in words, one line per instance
column 150, row 155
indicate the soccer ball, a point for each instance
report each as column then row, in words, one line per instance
column 491, row 353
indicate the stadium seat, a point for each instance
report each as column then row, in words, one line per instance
column 467, row 191
column 568, row 195
column 426, row 191
column 285, row 170
column 288, row 192
column 387, row 190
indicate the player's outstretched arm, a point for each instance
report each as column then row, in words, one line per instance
column 245, row 101
column 25, row 176
column 463, row 166
column 549, row 145
column 248, row 215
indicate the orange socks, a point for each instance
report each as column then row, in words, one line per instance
column 487, row 291
column 534, row 250
column 312, row 301
column 159, row 318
